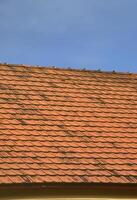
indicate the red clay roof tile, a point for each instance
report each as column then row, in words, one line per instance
column 67, row 126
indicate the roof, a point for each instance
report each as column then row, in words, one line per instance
column 67, row 126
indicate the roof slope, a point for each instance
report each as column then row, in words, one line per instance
column 61, row 125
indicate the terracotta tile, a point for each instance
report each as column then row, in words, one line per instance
column 61, row 125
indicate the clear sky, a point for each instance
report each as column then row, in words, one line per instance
column 92, row 34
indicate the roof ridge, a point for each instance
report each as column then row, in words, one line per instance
column 66, row 69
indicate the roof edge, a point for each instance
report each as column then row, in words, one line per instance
column 67, row 68
column 68, row 185
column 112, row 190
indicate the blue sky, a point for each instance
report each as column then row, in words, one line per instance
column 92, row 34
